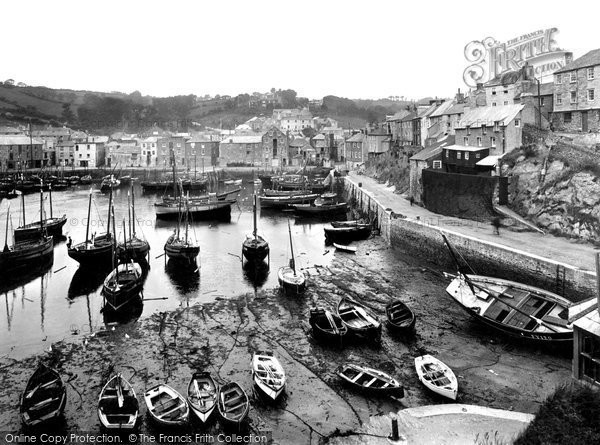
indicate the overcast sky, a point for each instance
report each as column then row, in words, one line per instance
column 357, row 49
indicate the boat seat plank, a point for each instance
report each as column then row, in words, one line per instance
column 555, row 320
column 370, row 382
column 169, row 412
column 159, row 409
column 236, row 407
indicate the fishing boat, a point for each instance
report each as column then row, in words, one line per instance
column 202, row 395
column 399, row 317
column 180, row 247
column 118, row 406
column 352, row 223
column 359, row 319
column 271, row 192
column 98, row 250
column 255, row 248
column 347, row 234
column 86, row 180
column 232, row 182
column 233, row 403
column 133, row 248
column 345, row 248
column 166, row 406
column 436, row 376
column 268, row 374
column 290, row 182
column 283, row 202
column 200, row 199
column 24, row 253
column 327, row 326
column 108, row 183
column 370, row 380
column 48, row 226
column 290, row 280
column 44, row 398
column 326, row 205
column 73, row 180
column 516, row 309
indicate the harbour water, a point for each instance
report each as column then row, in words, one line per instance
column 49, row 304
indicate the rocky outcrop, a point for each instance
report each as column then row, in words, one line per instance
column 562, row 201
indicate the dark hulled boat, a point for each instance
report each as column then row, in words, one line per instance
column 133, row 248
column 179, row 247
column 202, row 395
column 255, row 249
column 347, row 234
column 327, row 326
column 400, row 318
column 359, row 319
column 34, row 230
column 118, row 406
column 326, row 205
column 233, row 403
column 370, row 380
column 44, row 398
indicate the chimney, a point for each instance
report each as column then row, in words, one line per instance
column 479, row 86
column 527, row 72
column 460, row 97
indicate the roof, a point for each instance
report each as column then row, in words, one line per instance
column 442, row 108
column 477, row 117
column 398, row 116
column 434, row 150
column 358, row 137
column 592, row 58
column 298, row 142
column 319, row 137
column 456, row 109
column 590, row 322
column 504, row 79
column 243, row 139
column 16, row 139
column 489, row 161
column 464, row 148
column 428, row 111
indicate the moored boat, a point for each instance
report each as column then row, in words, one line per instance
column 118, row 406
column 166, row 406
column 44, row 226
column 436, row 376
column 346, row 234
column 202, row 395
column 359, row 319
column 132, row 248
column 283, row 202
column 370, row 380
column 399, row 317
column 292, row 282
column 268, row 374
column 255, row 248
column 326, row 205
column 44, row 398
column 123, row 286
column 345, row 248
column 233, row 403
column 327, row 326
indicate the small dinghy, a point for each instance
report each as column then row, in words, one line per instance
column 118, row 406
column 345, row 248
column 166, row 406
column 268, row 374
column 44, row 398
column 436, row 376
column 400, row 318
column 327, row 326
column 370, row 380
column 202, row 395
column 233, row 403
column 359, row 319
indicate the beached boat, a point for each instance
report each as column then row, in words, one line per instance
column 326, row 205
column 351, row 223
column 345, row 248
column 86, row 180
column 44, row 226
column 268, row 374
column 399, row 317
column 292, row 282
column 108, row 183
column 255, row 248
column 327, row 326
column 370, row 380
column 233, row 403
column 516, row 309
column 178, row 246
column 123, row 285
column 284, row 202
column 359, row 319
column 436, row 376
column 44, row 398
column 347, row 234
column 132, row 248
column 166, row 406
column 118, row 406
column 202, row 395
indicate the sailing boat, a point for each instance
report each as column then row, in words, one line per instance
column 178, row 248
column 134, row 248
column 53, row 226
column 290, row 280
column 24, row 253
column 124, row 284
column 255, row 249
column 97, row 251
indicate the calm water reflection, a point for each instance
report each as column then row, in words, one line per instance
column 53, row 301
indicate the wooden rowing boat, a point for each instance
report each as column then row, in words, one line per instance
column 202, row 395
column 345, row 235
column 268, row 374
column 44, row 398
column 345, row 248
column 327, row 326
column 233, row 403
column 118, row 406
column 359, row 319
column 370, row 380
column 400, row 318
column 436, row 376
column 166, row 406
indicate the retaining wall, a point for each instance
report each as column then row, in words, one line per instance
column 423, row 239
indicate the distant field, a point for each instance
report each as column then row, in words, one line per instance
column 18, row 95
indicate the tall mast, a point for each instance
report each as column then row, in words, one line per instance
column 254, row 231
column 6, row 234
column 125, row 241
column 174, row 178
column 115, row 263
column 179, row 215
column 133, row 208
column 293, row 262
column 42, row 210
column 195, row 168
column 129, row 214
column 23, row 206
column 50, row 191
column 87, row 226
column 187, row 213
column 109, row 209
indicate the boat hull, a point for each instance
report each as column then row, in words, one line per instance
column 135, row 249
column 346, row 234
column 255, row 250
column 52, row 226
column 188, row 253
column 54, row 392
column 99, row 254
column 320, row 210
column 178, row 414
column 400, row 318
column 232, row 393
column 112, row 416
column 25, row 254
column 202, row 396
column 211, row 210
column 290, row 283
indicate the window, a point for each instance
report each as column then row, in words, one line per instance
column 590, row 73
column 466, row 141
column 478, row 141
column 76, row 148
column 517, row 122
column 573, row 97
column 477, row 155
column 567, row 117
column 573, row 76
column 468, row 130
column 590, row 358
column 505, row 102
column 437, row 164
column 493, row 91
column 493, row 141
column 466, row 155
column 558, row 99
column 542, row 101
column 483, row 129
column 447, row 154
column 458, row 153
column 494, row 104
column 558, row 79
column 496, row 126
column 88, row 155
column 591, row 94
column 506, row 91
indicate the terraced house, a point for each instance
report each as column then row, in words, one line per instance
column 577, row 95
